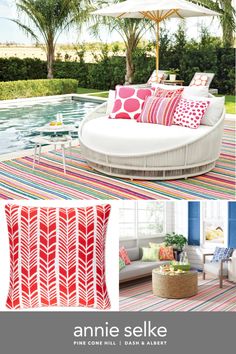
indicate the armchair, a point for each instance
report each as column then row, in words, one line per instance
column 218, row 269
column 232, row 268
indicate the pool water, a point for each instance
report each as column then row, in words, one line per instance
column 18, row 124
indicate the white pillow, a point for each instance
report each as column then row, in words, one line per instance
column 110, row 101
column 214, row 110
column 199, row 91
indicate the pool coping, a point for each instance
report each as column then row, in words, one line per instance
column 24, row 101
column 30, row 100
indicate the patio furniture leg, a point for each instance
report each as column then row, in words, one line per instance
column 63, row 158
column 39, row 153
column 35, row 153
column 70, row 148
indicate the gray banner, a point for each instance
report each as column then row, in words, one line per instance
column 80, row 332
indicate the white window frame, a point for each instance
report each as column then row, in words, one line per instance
column 136, row 223
column 224, row 207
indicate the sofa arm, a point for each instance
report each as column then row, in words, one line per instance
column 206, row 255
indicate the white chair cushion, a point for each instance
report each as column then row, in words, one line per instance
column 127, row 137
column 110, row 101
column 232, row 268
column 214, row 268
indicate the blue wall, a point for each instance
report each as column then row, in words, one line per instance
column 232, row 225
column 194, row 223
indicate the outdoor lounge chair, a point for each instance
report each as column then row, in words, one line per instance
column 123, row 148
column 202, row 79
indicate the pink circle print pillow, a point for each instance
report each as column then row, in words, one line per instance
column 129, row 102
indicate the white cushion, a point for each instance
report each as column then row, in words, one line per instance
column 214, row 111
column 127, row 137
column 215, row 268
column 232, row 268
column 201, row 91
column 110, row 101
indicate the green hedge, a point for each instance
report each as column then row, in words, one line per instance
column 108, row 69
column 35, row 88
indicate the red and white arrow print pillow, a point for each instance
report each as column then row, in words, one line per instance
column 57, row 256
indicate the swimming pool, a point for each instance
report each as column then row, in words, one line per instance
column 18, row 123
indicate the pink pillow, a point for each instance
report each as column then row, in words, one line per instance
column 166, row 254
column 159, row 110
column 124, row 255
column 160, row 92
column 57, row 256
column 189, row 113
column 129, row 102
column 199, row 80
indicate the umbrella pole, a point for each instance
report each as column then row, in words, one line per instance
column 157, row 47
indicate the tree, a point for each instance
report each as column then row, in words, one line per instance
column 47, row 19
column 227, row 18
column 131, row 32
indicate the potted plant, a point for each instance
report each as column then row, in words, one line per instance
column 172, row 74
column 177, row 241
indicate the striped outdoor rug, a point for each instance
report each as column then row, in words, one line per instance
column 19, row 181
column 210, row 297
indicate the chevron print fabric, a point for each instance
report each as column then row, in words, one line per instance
column 57, row 256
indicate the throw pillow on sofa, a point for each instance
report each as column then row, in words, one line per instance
column 149, row 255
column 157, row 247
column 129, row 102
column 189, row 113
column 121, row 263
column 166, row 254
column 222, row 253
column 159, row 110
column 57, row 256
column 124, row 255
column 168, row 93
column 214, row 110
column 201, row 91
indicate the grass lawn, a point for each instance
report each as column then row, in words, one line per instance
column 82, row 90
column 229, row 100
column 230, row 104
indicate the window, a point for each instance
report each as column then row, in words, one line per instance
column 214, row 232
column 145, row 219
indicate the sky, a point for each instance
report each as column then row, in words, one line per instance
column 10, row 32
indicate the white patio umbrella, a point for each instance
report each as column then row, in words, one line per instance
column 157, row 11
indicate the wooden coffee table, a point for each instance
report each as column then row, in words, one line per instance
column 176, row 286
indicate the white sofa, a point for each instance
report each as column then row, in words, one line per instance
column 125, row 148
column 138, row 268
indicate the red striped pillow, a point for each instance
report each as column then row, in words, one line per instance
column 159, row 110
column 57, row 256
column 160, row 92
column 124, row 255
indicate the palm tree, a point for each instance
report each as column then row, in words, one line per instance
column 48, row 19
column 131, row 32
column 227, row 18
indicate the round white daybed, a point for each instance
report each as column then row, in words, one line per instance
column 127, row 149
